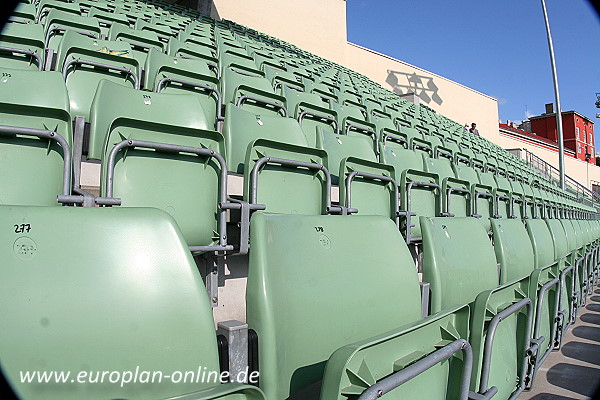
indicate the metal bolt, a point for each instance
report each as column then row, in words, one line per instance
column 214, row 299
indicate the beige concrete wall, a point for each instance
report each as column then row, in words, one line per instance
column 582, row 172
column 318, row 26
column 447, row 97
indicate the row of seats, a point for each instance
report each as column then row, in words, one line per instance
column 135, row 136
column 452, row 268
column 351, row 109
column 143, row 305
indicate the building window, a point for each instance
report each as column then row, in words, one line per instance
column 577, row 132
column 578, row 148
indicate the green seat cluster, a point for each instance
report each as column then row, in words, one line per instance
column 389, row 253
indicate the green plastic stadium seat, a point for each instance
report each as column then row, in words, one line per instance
column 460, row 265
column 140, row 305
column 339, row 147
column 503, row 195
column 188, row 182
column 287, row 178
column 157, row 26
column 107, row 19
column 277, row 75
column 368, row 188
column 545, row 285
column 85, row 62
column 35, row 137
column 142, row 42
column 22, row 46
column 249, row 89
column 419, row 192
column 23, row 13
column 59, row 21
column 167, row 74
column 45, row 6
column 239, row 58
column 204, row 39
column 513, row 249
column 456, row 193
column 569, row 281
column 243, row 126
column 177, row 48
column 485, row 206
column 288, row 286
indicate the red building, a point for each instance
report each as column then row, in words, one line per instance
column 578, row 132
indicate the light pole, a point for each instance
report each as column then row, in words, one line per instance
column 561, row 145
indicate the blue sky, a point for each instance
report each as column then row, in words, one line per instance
column 496, row 47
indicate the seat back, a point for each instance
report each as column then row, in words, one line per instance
column 33, row 167
column 314, row 116
column 241, row 85
column 301, row 188
column 141, row 41
column 185, row 184
column 74, row 55
column 513, row 249
column 541, row 240
column 22, row 46
column 559, row 238
column 459, row 262
column 546, row 271
column 394, row 151
column 74, row 305
column 368, row 187
column 339, row 147
column 456, row 194
column 167, row 74
column 299, row 264
column 59, row 21
column 242, row 127
column 454, row 249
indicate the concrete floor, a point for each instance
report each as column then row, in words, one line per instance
column 574, row 371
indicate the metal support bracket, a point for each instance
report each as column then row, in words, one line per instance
column 425, row 296
column 397, row 379
column 246, row 210
column 236, row 333
column 212, row 278
column 489, row 341
column 538, row 316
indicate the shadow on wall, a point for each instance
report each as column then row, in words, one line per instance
column 206, row 7
column 210, row 9
column 423, row 86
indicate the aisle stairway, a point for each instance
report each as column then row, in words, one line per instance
column 574, row 371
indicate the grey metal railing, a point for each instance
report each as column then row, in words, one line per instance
column 552, row 175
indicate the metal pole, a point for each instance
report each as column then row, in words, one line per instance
column 561, row 145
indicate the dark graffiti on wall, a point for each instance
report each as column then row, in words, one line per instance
column 423, row 86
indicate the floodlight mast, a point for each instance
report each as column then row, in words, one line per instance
column 561, row 144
